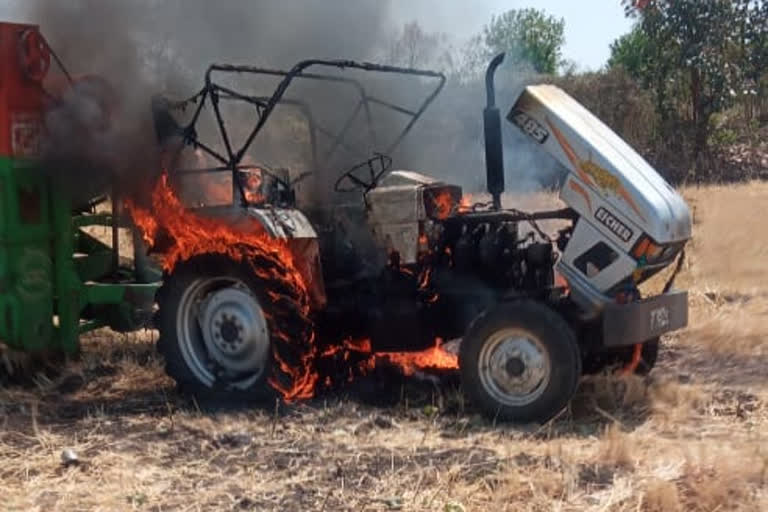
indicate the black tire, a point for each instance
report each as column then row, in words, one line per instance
column 289, row 327
column 556, row 343
column 599, row 362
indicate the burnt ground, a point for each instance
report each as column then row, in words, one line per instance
column 692, row 436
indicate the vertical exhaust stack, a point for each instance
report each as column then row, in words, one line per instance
column 494, row 153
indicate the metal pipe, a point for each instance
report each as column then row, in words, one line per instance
column 115, row 230
column 490, row 89
column 473, row 218
column 494, row 152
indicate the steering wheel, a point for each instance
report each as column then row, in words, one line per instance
column 365, row 175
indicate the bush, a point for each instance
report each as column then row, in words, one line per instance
column 618, row 101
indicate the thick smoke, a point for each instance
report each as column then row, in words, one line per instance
column 146, row 47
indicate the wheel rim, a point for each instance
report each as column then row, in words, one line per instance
column 514, row 367
column 222, row 333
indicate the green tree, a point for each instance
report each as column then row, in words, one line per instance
column 528, row 35
column 690, row 44
column 754, row 51
column 632, row 52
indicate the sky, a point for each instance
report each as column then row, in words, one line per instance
column 590, row 25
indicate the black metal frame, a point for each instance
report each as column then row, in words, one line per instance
column 214, row 92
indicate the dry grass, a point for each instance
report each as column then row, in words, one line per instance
column 692, row 437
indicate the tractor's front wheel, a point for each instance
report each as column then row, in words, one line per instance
column 520, row 362
column 221, row 329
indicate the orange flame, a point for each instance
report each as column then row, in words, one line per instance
column 435, row 357
column 192, row 235
column 444, row 204
column 423, row 243
column 252, row 187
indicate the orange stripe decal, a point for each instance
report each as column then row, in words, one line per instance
column 580, row 190
column 570, row 153
column 592, row 174
column 623, row 193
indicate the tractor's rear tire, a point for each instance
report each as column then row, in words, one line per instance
column 520, row 362
column 249, row 321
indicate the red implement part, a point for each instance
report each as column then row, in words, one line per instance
column 24, row 62
column 34, row 55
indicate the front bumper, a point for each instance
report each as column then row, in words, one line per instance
column 629, row 324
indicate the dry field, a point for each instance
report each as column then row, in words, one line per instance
column 694, row 436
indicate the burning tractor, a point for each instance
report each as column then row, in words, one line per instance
column 400, row 261
column 260, row 286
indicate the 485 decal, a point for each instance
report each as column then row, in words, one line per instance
column 529, row 126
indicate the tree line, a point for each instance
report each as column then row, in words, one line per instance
column 687, row 85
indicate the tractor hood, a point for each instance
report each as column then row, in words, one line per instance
column 603, row 168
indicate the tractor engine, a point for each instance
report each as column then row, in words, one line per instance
column 428, row 224
column 495, row 250
column 425, row 222
column 447, row 261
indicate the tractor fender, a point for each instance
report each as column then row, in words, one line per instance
column 287, row 224
column 301, row 237
column 283, row 222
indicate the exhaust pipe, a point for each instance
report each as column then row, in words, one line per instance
column 494, row 152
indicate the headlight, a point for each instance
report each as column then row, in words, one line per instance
column 649, row 252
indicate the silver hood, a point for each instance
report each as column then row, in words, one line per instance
column 601, row 161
